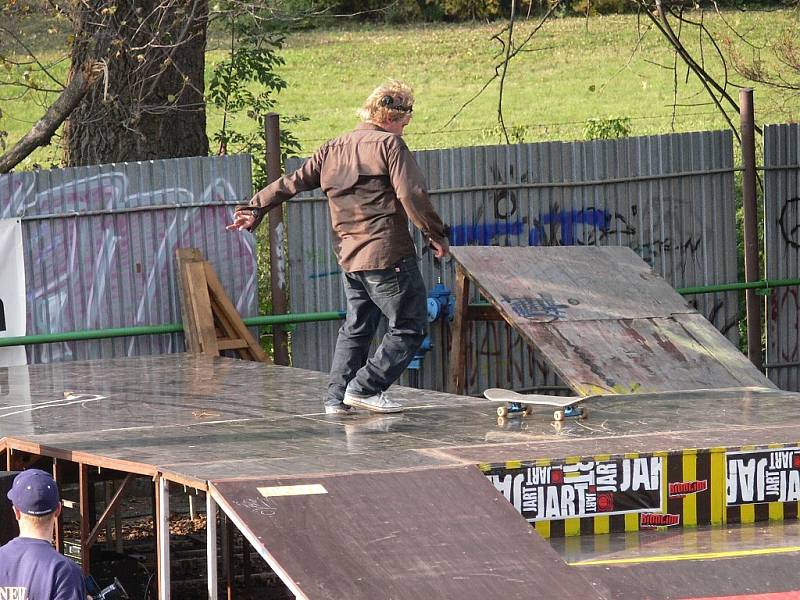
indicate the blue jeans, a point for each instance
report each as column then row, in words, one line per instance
column 399, row 294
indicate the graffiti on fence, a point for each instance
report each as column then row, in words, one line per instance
column 784, row 324
column 86, row 267
column 788, row 222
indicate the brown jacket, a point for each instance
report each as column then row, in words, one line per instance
column 374, row 186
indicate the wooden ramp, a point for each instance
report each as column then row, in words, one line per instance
column 440, row 533
column 602, row 318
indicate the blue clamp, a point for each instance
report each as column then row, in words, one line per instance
column 426, row 346
column 441, row 303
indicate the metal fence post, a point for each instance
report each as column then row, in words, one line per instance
column 751, row 260
column 277, row 238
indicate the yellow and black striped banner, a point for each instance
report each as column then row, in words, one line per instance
column 567, row 497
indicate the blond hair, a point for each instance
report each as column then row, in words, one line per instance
column 380, row 110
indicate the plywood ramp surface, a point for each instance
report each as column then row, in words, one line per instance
column 440, row 533
column 605, row 321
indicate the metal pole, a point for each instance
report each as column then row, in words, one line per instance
column 162, row 532
column 751, row 244
column 211, row 545
column 277, row 238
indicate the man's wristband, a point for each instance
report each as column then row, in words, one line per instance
column 258, row 211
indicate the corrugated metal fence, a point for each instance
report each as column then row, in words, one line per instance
column 782, row 247
column 100, row 247
column 670, row 198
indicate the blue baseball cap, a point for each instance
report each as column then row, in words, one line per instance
column 34, row 492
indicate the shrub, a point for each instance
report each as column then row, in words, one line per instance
column 607, row 129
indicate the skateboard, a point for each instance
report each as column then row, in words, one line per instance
column 516, row 403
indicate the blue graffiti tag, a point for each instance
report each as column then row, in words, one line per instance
column 484, row 234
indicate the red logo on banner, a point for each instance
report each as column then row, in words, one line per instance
column 657, row 520
column 605, row 502
column 679, row 489
column 796, row 460
column 556, row 476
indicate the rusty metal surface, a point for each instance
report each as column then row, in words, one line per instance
column 605, row 322
column 666, row 197
column 433, row 533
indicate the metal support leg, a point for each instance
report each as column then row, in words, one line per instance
column 211, row 545
column 162, row 516
column 85, row 510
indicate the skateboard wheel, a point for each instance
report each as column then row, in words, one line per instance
column 502, row 411
column 526, row 411
column 558, row 415
column 501, row 421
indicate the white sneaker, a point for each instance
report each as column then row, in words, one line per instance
column 338, row 409
column 378, row 403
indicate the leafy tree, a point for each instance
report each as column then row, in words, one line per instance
column 246, row 82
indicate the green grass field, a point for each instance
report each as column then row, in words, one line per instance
column 576, row 69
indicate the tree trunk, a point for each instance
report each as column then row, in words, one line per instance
column 151, row 104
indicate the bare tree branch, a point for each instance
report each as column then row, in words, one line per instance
column 509, row 46
column 510, row 52
column 43, row 130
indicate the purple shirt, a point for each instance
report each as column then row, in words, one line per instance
column 31, row 569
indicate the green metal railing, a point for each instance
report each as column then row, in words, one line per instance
column 762, row 287
column 97, row 334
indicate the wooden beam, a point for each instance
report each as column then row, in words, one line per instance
column 211, row 546
column 485, row 312
column 84, row 510
column 210, row 320
column 228, row 312
column 184, row 256
column 59, row 529
column 109, row 510
column 458, row 352
column 202, row 314
column 162, row 538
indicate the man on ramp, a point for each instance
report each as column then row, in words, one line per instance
column 374, row 186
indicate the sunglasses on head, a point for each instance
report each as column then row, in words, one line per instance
column 388, row 102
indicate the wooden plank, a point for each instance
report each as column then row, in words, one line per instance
column 569, row 283
column 184, row 256
column 736, row 362
column 604, row 321
column 200, row 302
column 228, row 311
column 435, row 533
column 640, row 356
column 483, row 313
column 458, row 352
column 232, row 344
column 59, row 527
column 84, row 509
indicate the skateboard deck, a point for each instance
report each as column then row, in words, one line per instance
column 566, row 406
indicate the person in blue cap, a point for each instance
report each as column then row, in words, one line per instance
column 30, row 568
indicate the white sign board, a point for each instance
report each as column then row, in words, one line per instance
column 12, row 291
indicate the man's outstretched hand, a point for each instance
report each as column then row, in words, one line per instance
column 242, row 220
